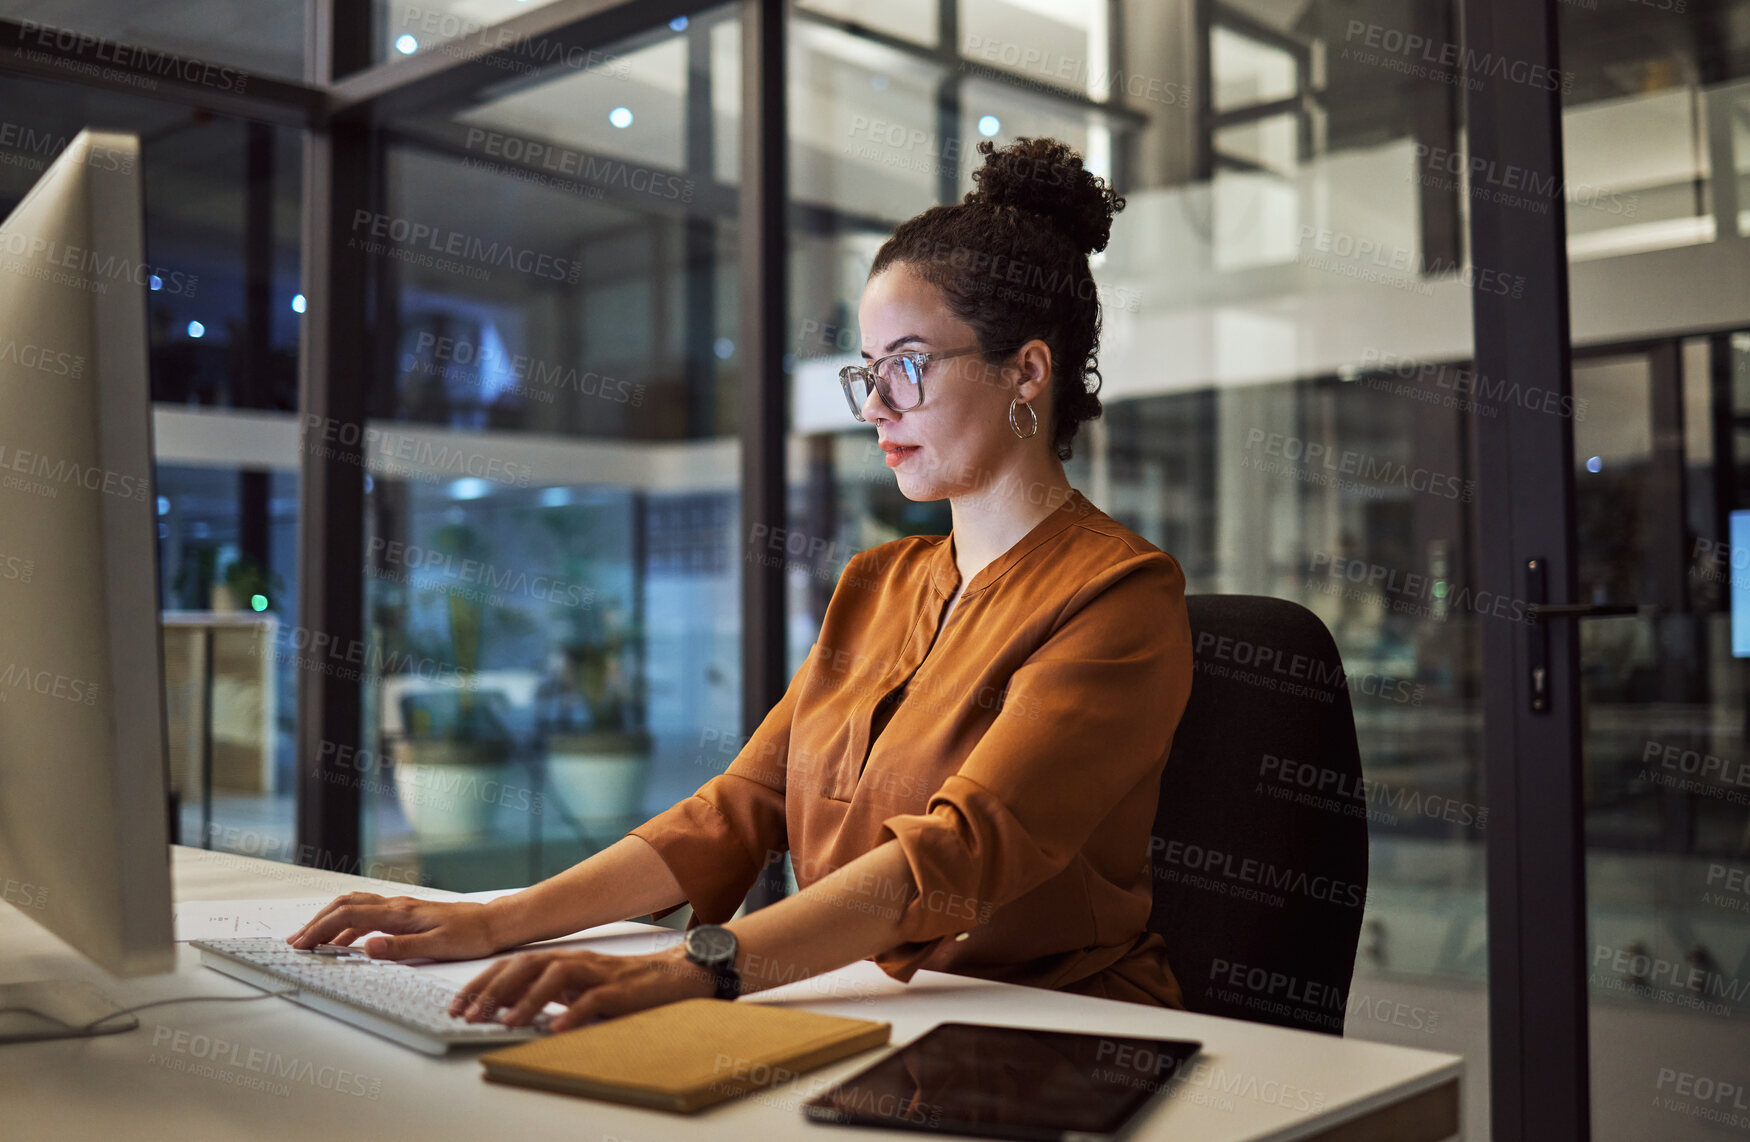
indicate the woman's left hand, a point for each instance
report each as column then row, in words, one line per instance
column 590, row 984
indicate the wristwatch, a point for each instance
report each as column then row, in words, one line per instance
column 714, row 948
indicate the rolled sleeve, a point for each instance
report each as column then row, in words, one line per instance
column 1084, row 720
column 716, row 841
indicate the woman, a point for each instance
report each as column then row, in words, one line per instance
column 966, row 768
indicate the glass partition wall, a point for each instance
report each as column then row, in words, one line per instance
column 1656, row 146
column 223, row 303
column 548, row 575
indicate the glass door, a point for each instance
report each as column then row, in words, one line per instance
column 1665, row 773
column 1655, row 145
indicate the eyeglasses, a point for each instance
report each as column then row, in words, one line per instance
column 899, row 377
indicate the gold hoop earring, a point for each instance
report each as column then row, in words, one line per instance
column 1014, row 425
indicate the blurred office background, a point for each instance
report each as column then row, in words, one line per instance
column 554, row 551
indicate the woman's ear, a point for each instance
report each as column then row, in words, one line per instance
column 1034, row 361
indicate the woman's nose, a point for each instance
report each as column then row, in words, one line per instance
column 874, row 408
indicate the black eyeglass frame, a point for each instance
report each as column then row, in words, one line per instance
column 917, row 357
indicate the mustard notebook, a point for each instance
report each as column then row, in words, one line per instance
column 684, row 1056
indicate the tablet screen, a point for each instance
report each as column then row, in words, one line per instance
column 1006, row 1082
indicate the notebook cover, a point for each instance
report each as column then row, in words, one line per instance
column 684, row 1056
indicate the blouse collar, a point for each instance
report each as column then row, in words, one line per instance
column 945, row 574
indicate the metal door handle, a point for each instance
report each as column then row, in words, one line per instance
column 1537, row 651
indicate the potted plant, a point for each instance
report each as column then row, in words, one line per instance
column 592, row 711
column 598, row 771
column 456, row 742
column 246, row 581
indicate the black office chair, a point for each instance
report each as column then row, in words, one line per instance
column 1260, row 843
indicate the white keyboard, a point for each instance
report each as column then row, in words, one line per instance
column 383, row 997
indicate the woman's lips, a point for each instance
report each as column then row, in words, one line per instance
column 897, row 457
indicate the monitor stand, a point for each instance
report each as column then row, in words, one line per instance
column 58, row 1009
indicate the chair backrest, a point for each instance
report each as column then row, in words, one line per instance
column 1259, row 851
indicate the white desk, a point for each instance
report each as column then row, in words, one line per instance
column 1255, row 1082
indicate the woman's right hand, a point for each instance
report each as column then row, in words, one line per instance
column 428, row 929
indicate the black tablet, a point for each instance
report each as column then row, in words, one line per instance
column 1007, row 1082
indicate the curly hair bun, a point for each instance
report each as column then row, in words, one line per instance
column 1046, row 177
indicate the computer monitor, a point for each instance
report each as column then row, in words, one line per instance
column 1736, row 566
column 84, row 849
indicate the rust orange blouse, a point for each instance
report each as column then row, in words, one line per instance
column 1019, row 766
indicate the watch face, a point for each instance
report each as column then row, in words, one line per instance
column 711, row 944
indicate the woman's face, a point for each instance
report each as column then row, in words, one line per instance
column 959, row 435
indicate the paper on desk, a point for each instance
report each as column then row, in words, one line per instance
column 222, row 919
column 227, row 919
column 482, row 897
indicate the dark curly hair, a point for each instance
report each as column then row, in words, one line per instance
column 1011, row 258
